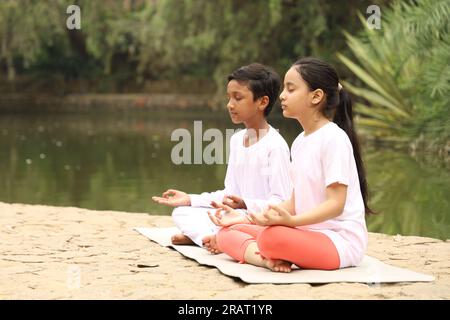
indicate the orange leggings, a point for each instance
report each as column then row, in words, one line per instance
column 305, row 248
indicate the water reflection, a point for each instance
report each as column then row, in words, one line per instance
column 118, row 162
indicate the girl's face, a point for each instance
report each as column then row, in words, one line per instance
column 296, row 97
column 240, row 104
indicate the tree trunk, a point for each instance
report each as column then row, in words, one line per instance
column 10, row 66
column 6, row 52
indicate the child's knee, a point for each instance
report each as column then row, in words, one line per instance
column 179, row 211
column 270, row 243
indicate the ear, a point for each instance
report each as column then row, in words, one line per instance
column 317, row 96
column 263, row 103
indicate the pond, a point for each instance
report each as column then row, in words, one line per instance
column 118, row 161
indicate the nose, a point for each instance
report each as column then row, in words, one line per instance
column 229, row 105
column 282, row 96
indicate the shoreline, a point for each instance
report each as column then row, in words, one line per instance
column 53, row 252
column 90, row 102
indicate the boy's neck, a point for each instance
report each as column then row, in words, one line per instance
column 257, row 124
column 260, row 127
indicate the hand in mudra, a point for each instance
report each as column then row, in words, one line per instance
column 174, row 198
column 274, row 215
column 225, row 216
column 234, row 202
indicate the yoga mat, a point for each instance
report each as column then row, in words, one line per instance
column 370, row 270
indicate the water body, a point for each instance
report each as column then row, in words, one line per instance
column 118, row 161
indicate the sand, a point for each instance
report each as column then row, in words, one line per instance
column 71, row 253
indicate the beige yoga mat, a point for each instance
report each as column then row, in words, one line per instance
column 370, row 271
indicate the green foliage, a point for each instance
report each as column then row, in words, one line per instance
column 405, row 71
column 212, row 38
column 169, row 39
column 22, row 36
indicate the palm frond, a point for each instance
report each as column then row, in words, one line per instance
column 405, row 70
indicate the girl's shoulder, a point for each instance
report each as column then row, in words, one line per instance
column 334, row 133
column 329, row 135
column 335, row 137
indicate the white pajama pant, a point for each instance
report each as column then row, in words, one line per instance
column 194, row 222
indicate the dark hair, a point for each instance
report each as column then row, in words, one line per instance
column 338, row 106
column 261, row 81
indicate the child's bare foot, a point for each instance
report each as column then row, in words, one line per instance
column 180, row 239
column 278, row 265
column 210, row 243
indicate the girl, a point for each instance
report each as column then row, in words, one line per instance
column 258, row 167
column 322, row 225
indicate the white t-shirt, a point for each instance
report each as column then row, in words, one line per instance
column 259, row 174
column 318, row 160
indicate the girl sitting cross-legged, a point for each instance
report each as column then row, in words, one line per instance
column 322, row 225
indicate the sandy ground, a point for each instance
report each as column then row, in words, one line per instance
column 72, row 253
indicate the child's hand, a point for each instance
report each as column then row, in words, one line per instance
column 225, row 216
column 274, row 215
column 234, row 202
column 256, row 218
column 174, row 198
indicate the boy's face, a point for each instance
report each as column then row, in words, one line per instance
column 241, row 105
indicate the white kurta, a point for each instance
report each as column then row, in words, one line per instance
column 259, row 174
column 320, row 159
